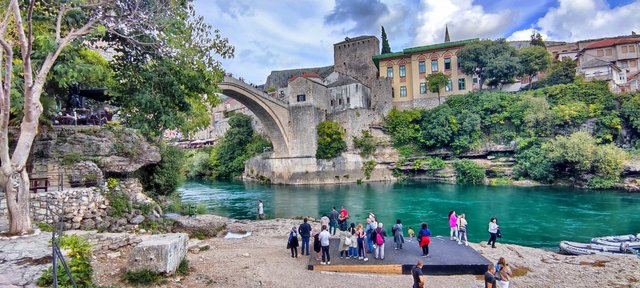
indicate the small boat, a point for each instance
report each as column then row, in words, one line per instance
column 576, row 248
column 630, row 241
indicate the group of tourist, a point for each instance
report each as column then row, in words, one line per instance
column 498, row 275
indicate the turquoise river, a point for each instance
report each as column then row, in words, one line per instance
column 530, row 216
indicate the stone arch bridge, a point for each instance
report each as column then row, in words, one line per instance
column 273, row 113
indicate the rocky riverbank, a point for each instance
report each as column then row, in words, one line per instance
column 261, row 260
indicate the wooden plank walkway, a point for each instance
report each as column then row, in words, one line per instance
column 446, row 257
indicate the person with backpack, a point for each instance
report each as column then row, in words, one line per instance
column 345, row 240
column 398, row 235
column 305, row 232
column 379, row 234
column 316, row 243
column 503, row 273
column 293, row 242
column 368, row 232
column 424, row 239
column 462, row 230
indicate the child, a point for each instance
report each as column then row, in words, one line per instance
column 362, row 251
column 410, row 232
column 353, row 248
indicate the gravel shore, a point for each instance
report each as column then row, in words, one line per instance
column 261, row 260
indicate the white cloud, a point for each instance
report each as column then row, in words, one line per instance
column 465, row 20
column 576, row 20
column 525, row 35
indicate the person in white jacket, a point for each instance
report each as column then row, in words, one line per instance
column 493, row 230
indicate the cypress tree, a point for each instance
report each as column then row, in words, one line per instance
column 385, row 43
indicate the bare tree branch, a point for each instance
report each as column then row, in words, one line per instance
column 63, row 10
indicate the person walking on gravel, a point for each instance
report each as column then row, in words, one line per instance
column 305, row 233
column 293, row 242
column 493, row 231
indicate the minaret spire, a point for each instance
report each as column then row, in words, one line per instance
column 446, row 34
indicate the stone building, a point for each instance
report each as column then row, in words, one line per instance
column 612, row 60
column 409, row 68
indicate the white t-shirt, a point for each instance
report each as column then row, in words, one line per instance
column 324, row 238
column 260, row 209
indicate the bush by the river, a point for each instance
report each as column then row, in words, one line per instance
column 226, row 159
column 163, row 178
column 544, row 122
column 469, row 172
column 330, row 140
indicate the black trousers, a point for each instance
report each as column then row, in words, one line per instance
column 325, row 251
column 492, row 240
column 425, row 249
column 294, row 251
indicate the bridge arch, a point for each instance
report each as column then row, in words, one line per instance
column 273, row 114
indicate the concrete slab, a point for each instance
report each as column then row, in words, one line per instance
column 160, row 253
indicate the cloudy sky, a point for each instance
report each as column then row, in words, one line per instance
column 286, row 34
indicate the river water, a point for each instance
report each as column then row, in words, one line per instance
column 529, row 216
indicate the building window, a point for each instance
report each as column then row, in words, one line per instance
column 356, row 89
column 393, row 93
column 403, row 71
column 301, row 98
column 633, row 63
column 403, row 91
column 600, row 53
column 475, row 80
column 422, row 67
column 447, row 64
column 608, row 51
column 423, row 88
column 389, row 72
column 332, row 102
column 461, row 84
column 625, row 49
column 632, row 49
column 449, row 86
column 348, row 100
column 624, row 64
column 340, row 101
column 434, row 65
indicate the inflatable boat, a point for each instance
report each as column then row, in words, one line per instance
column 575, row 248
column 631, row 241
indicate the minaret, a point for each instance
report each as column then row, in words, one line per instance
column 446, row 34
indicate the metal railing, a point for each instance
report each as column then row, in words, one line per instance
column 56, row 236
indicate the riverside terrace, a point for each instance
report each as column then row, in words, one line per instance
column 446, row 257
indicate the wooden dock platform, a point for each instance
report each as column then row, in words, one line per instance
column 446, row 257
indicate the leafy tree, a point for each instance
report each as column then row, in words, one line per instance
column 404, row 126
column 561, row 72
column 330, row 140
column 385, row 43
column 536, row 40
column 489, row 60
column 469, row 172
column 231, row 152
column 163, row 178
column 365, row 143
column 533, row 59
column 437, row 81
column 56, row 24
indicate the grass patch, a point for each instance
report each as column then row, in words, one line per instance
column 204, row 248
column 520, row 271
column 143, row 277
column 44, row 227
column 183, row 268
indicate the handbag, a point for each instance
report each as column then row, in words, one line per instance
column 347, row 241
column 498, row 234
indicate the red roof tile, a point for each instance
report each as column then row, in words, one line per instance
column 612, row 42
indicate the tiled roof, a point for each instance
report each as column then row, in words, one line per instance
column 612, row 42
column 409, row 51
column 598, row 63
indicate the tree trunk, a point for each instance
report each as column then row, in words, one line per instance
column 16, row 190
column 439, row 98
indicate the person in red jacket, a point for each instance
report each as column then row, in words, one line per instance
column 424, row 238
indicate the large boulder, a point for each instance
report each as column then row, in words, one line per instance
column 160, row 253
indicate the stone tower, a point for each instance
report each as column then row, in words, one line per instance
column 353, row 57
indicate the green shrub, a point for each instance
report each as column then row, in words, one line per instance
column 79, row 262
column 44, row 227
column 143, row 277
column 533, row 163
column 602, row 182
column 119, row 203
column 163, row 178
column 403, row 126
column 368, row 167
column 469, row 172
column 608, row 161
column 71, row 158
column 502, row 181
column 112, row 183
column 365, row 143
column 330, row 140
column 183, row 267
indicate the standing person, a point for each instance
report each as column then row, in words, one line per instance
column 504, row 273
column 378, row 235
column 342, row 221
column 489, row 279
column 345, row 240
column 260, row 209
column 452, row 223
column 316, row 244
column 333, row 217
column 324, row 242
column 368, row 231
column 424, row 238
column 344, row 211
column 362, row 251
column 305, row 232
column 418, row 276
column 371, row 215
column 353, row 249
column 493, row 231
column 462, row 230
column 398, row 235
column 293, row 242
